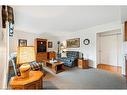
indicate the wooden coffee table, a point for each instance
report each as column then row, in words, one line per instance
column 56, row 67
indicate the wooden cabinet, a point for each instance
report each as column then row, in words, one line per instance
column 41, row 56
column 52, row 55
column 34, row 81
column 83, row 64
column 125, row 30
column 41, row 49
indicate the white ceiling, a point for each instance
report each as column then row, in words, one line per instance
column 51, row 19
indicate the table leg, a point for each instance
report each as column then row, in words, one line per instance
column 54, row 68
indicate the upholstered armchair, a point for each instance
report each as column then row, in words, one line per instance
column 71, row 58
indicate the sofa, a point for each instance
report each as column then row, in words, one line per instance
column 71, row 58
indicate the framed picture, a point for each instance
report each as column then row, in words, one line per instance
column 22, row 42
column 73, row 43
column 50, row 45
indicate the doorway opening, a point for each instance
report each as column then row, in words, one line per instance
column 109, row 51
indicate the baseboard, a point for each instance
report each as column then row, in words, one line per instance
column 115, row 69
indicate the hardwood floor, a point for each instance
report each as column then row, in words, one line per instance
column 115, row 69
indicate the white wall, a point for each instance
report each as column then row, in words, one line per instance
column 18, row 34
column 90, row 51
column 3, row 58
column 3, row 55
column 30, row 37
column 55, row 37
column 52, row 38
column 110, row 44
column 1, row 52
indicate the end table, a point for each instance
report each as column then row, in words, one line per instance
column 34, row 81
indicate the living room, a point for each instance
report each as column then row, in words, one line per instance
column 67, row 30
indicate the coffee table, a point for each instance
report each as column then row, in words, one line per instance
column 56, row 67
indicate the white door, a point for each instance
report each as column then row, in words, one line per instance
column 110, row 49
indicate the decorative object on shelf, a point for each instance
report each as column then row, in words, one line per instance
column 73, row 43
column 52, row 61
column 50, row 44
column 22, row 42
column 24, row 56
column 86, row 41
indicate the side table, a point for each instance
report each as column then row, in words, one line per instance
column 34, row 81
column 83, row 64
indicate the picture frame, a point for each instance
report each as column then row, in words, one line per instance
column 22, row 42
column 50, row 44
column 73, row 43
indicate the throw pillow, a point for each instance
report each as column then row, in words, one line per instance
column 63, row 54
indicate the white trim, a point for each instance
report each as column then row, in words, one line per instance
column 97, row 52
column 5, row 69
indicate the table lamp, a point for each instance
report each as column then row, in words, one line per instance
column 24, row 56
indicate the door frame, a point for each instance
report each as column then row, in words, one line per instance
column 98, row 48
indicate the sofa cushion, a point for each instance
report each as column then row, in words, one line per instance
column 64, row 54
column 35, row 66
column 74, row 54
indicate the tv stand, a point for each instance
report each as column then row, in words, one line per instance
column 41, row 49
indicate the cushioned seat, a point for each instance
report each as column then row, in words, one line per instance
column 71, row 59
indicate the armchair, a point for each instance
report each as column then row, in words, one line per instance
column 71, row 59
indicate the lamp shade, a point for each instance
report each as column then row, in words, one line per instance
column 25, row 54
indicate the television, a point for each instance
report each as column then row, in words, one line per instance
column 41, row 46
